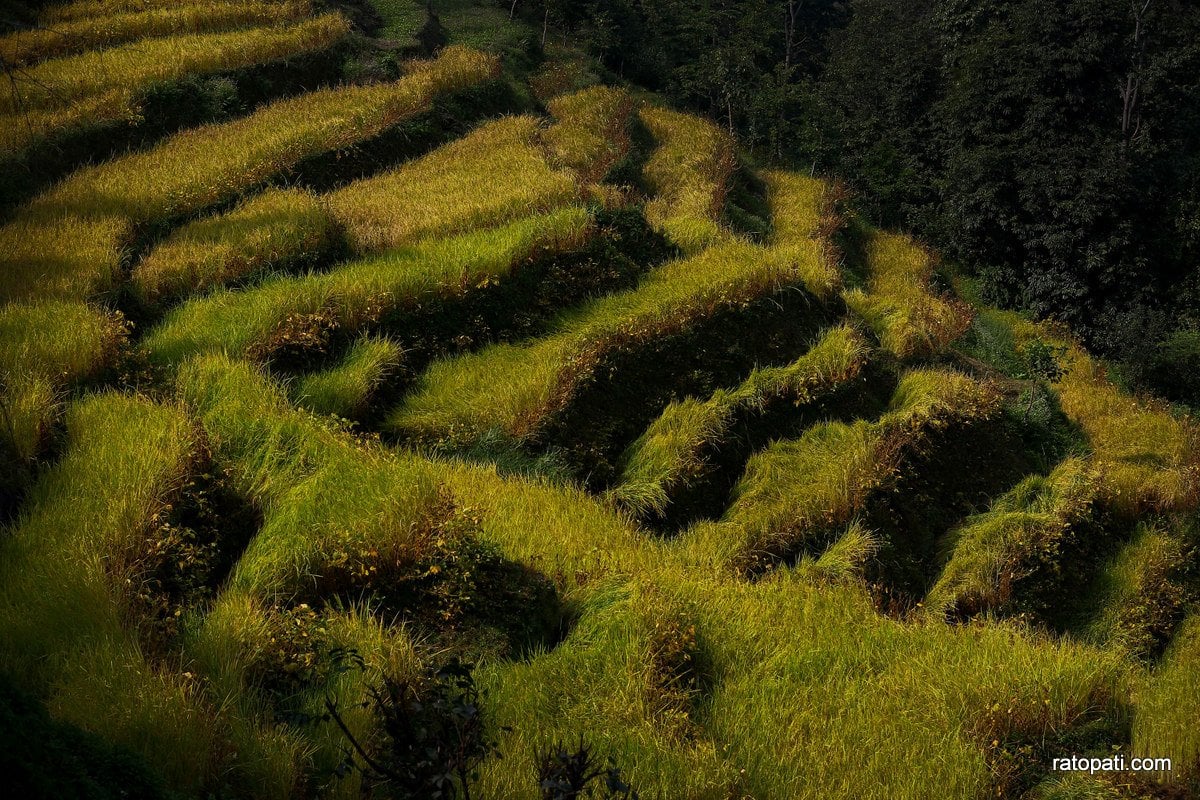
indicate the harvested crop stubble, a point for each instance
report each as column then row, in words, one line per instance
column 139, row 66
column 515, row 387
column 492, row 175
column 69, row 241
column 671, row 453
column 59, row 37
column 797, row 494
column 689, row 173
column 1006, row 560
column 899, row 304
column 268, row 231
column 357, row 295
column 591, row 134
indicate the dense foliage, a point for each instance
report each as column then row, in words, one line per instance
column 1054, row 148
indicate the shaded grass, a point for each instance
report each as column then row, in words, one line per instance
column 1008, row 560
column 45, row 348
column 70, row 241
column 1168, row 706
column 796, row 495
column 82, row 530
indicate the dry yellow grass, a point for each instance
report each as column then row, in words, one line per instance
column 899, row 305
column 63, row 36
column 494, row 174
column 1149, row 459
column 69, row 241
column 689, row 174
column 591, row 132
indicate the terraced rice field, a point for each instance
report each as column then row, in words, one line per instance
column 744, row 514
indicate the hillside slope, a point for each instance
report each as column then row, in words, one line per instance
column 466, row 358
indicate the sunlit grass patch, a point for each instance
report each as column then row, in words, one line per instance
column 591, row 132
column 346, row 389
column 515, row 387
column 688, row 174
column 58, row 37
column 899, row 304
column 1149, row 459
column 69, row 241
column 1007, row 560
column 796, row 495
column 273, row 230
column 1142, row 592
column 492, row 175
column 139, row 66
column 44, row 349
column 671, row 451
column 356, row 295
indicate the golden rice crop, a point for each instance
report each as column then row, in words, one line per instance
column 899, row 305
column 71, row 10
column 64, row 36
column 134, row 67
column 797, row 494
column 68, row 242
column 268, row 230
column 688, row 173
column 591, row 132
column 19, row 130
column 494, row 174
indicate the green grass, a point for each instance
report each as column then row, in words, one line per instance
column 591, row 134
column 69, row 242
column 1167, row 708
column 347, row 389
column 798, row 495
column 44, row 349
column 272, row 230
column 82, row 529
column 356, row 295
column 1005, row 561
column 672, row 451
